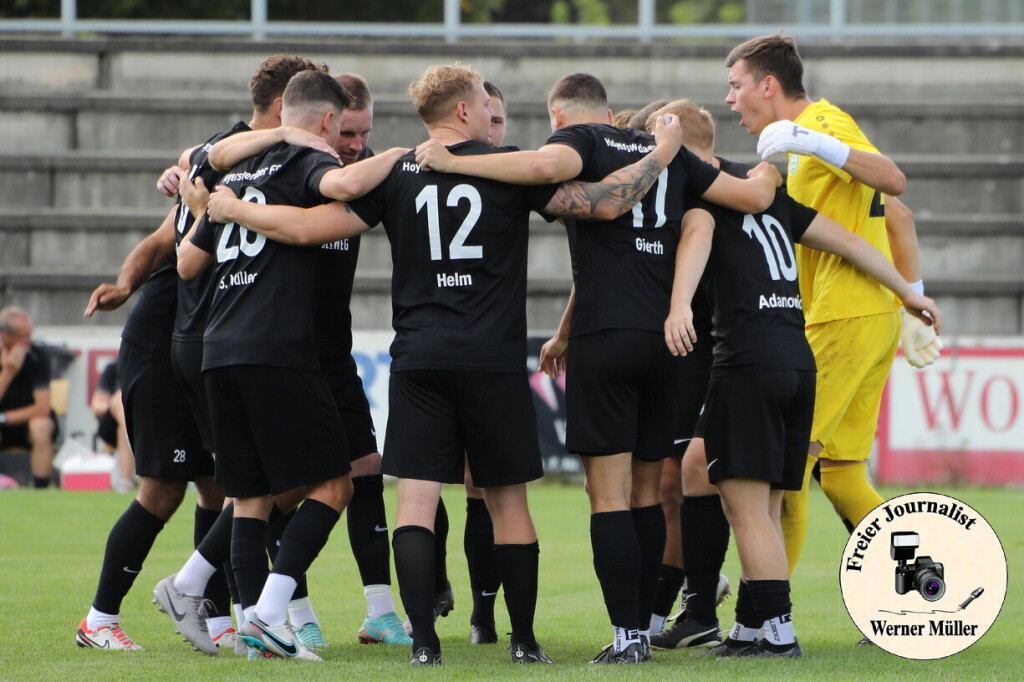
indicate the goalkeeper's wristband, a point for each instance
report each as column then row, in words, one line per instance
column 833, row 151
column 917, row 287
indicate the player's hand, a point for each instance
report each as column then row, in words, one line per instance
column 195, row 195
column 220, row 204
column 106, row 297
column 679, row 332
column 169, row 181
column 432, row 155
column 553, row 356
column 668, row 131
column 768, row 170
column 304, row 138
column 13, row 358
column 786, row 136
column 921, row 323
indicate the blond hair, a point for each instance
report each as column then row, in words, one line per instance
column 440, row 88
column 696, row 121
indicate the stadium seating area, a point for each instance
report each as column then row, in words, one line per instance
column 86, row 126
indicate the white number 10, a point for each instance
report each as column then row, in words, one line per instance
column 775, row 243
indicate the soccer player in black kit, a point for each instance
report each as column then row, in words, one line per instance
column 458, row 383
column 275, row 422
column 756, row 421
column 620, row 392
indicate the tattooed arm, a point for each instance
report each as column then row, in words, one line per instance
column 620, row 191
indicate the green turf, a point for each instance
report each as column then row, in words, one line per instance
column 53, row 543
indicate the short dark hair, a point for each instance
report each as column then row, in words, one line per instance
column 272, row 76
column 358, row 88
column 581, row 88
column 316, row 87
column 493, row 91
column 772, row 55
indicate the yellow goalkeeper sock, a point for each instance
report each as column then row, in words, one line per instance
column 794, row 516
column 848, row 488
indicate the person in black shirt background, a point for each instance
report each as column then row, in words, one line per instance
column 620, row 393
column 757, row 414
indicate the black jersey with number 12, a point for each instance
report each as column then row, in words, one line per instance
column 459, row 247
column 751, row 273
column 263, row 307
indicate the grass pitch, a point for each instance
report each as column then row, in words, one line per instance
column 53, row 545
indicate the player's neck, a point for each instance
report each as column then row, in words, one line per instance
column 448, row 134
column 790, row 109
column 264, row 120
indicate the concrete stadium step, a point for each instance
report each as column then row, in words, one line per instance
column 954, row 183
column 111, row 120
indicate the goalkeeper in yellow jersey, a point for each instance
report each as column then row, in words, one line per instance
column 853, row 323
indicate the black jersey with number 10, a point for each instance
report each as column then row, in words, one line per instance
column 459, row 247
column 623, row 268
column 757, row 316
column 264, row 305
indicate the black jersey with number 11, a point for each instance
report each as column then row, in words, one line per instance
column 459, row 246
column 264, row 305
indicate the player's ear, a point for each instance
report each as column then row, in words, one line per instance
column 611, row 117
column 462, row 111
column 770, row 86
column 277, row 105
column 325, row 122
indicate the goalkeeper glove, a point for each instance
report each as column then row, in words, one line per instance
column 920, row 343
column 786, row 136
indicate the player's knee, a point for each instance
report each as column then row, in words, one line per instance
column 211, row 495
column 335, row 493
column 161, row 496
column 41, row 430
column 367, row 465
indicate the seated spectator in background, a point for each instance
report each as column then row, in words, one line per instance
column 26, row 421
column 106, row 405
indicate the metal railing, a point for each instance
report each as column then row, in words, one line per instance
column 811, row 20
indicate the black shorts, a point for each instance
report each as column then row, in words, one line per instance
column 16, row 437
column 161, row 428
column 620, row 394
column 758, row 426
column 349, row 396
column 106, row 429
column 439, row 418
column 693, row 388
column 187, row 360
column 275, row 429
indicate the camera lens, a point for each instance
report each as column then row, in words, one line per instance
column 930, row 585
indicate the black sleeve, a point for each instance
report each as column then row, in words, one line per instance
column 204, row 234
column 370, row 207
column 699, row 174
column 578, row 137
column 316, row 164
column 800, row 216
column 538, row 197
column 41, row 370
column 108, row 380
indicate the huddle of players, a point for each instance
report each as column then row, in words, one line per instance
column 455, row 391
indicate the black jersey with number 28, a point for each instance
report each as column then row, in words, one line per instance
column 757, row 315
column 459, row 246
column 263, row 307
column 623, row 268
column 194, row 294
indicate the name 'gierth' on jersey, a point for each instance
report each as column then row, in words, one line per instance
column 757, row 316
column 263, row 307
column 459, row 247
column 623, row 268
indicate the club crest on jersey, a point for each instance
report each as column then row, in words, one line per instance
column 794, row 161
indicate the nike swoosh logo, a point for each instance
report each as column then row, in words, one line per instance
column 712, row 462
column 170, row 602
column 288, row 648
column 128, row 570
column 487, row 594
column 381, row 529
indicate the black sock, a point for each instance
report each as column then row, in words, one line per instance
column 650, row 534
column 518, row 565
column 279, row 520
column 617, row 564
column 747, row 614
column 441, row 548
column 705, row 533
column 217, row 586
column 41, row 481
column 414, row 548
column 249, row 558
column 368, row 530
column 216, row 544
column 771, row 598
column 484, row 579
column 128, row 544
column 670, row 581
column 305, row 536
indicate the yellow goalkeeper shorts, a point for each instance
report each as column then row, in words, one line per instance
column 854, row 357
